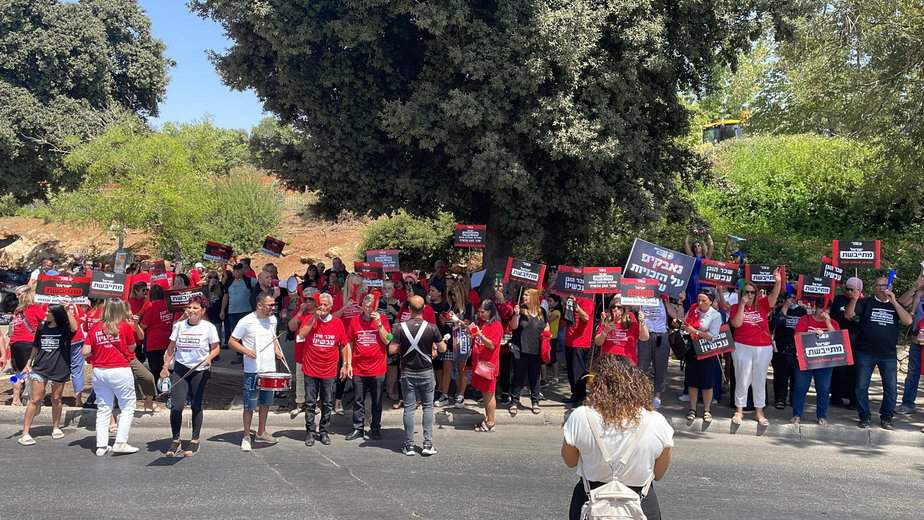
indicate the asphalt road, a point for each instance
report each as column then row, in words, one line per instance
column 514, row 473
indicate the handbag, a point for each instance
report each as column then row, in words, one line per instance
column 485, row 369
column 679, row 345
column 545, row 352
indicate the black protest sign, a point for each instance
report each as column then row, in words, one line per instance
column 671, row 269
column 178, row 299
column 389, row 258
column 215, row 252
column 569, row 280
column 62, row 289
column 720, row 344
column 830, row 349
column 718, row 274
column 602, row 280
column 107, row 285
column 641, row 292
column 471, row 235
column 855, row 253
column 814, row 288
column 271, row 246
column 759, row 275
column 527, row 274
column 830, row 272
column 372, row 272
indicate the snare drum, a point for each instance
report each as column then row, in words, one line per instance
column 274, row 381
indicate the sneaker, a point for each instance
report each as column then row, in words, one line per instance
column 324, row 438
column 192, row 449
column 57, row 433
column 428, row 449
column 684, row 398
column 266, row 437
column 26, row 440
column 309, row 439
column 356, row 434
column 656, row 403
column 376, row 435
column 905, row 410
column 886, row 424
column 823, row 422
column 245, row 444
column 124, row 448
column 102, row 452
column 863, row 423
column 441, row 402
column 408, row 450
column 460, row 401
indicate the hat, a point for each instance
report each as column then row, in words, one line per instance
column 855, row 283
column 410, row 277
column 199, row 265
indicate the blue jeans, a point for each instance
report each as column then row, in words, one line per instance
column 254, row 397
column 77, row 364
column 418, row 386
column 803, row 378
column 888, row 371
column 914, row 376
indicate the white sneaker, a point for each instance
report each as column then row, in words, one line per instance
column 428, row 449
column 245, row 444
column 441, row 402
column 124, row 449
column 460, row 401
column 102, row 452
column 684, row 397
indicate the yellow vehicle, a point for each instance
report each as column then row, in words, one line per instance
column 722, row 129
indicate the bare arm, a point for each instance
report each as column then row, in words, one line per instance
column 570, row 455
column 686, row 245
column 903, row 315
column 235, row 344
column 662, row 463
column 710, row 246
column 851, row 311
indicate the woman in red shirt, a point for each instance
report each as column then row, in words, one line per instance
column 108, row 347
column 26, row 320
column 817, row 322
column 486, row 336
column 157, row 324
column 619, row 332
column 750, row 318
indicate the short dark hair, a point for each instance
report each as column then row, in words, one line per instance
column 264, row 295
column 156, row 292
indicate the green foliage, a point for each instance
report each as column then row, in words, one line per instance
column 281, row 149
column 244, row 207
column 69, row 70
column 8, row 205
column 422, row 241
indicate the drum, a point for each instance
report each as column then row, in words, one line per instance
column 274, row 381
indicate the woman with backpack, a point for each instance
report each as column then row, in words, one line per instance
column 617, row 441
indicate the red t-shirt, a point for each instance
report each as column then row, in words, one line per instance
column 580, row 333
column 137, row 305
column 755, row 329
column 350, row 311
column 400, row 295
column 110, row 351
column 79, row 314
column 428, row 314
column 300, row 345
column 195, row 277
column 474, row 298
column 808, row 323
column 369, row 351
column 158, row 323
column 91, row 318
column 322, row 348
column 494, row 331
column 33, row 315
column 622, row 340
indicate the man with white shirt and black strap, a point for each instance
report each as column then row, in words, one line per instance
column 254, row 336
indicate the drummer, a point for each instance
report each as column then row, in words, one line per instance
column 255, row 338
column 194, row 343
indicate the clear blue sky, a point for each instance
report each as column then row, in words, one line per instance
column 195, row 88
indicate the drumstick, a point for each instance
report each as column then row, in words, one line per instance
column 191, row 370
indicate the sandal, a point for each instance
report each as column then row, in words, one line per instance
column 26, row 440
column 536, row 410
column 707, row 416
column 763, row 421
column 399, row 404
column 193, row 448
column 736, row 419
column 484, row 427
column 57, row 433
column 691, row 415
column 513, row 410
column 176, row 449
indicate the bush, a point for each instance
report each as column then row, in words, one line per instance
column 422, row 241
column 243, row 209
column 8, row 205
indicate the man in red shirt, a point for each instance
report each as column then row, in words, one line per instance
column 325, row 341
column 578, row 348
column 369, row 336
column 301, row 317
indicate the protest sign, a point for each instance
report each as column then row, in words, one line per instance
column 215, row 252
column 830, row 272
column 521, row 272
column 471, row 235
column 271, row 246
column 107, row 285
column 718, row 274
column 641, row 292
column 387, row 257
column 720, row 344
column 158, row 270
column 178, row 299
column 121, row 260
column 814, row 288
column 671, row 269
column 372, row 272
column 569, row 280
column 759, row 275
column 62, row 289
column 830, row 349
column 601, row 280
column 855, row 253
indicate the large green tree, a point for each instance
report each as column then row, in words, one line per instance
column 68, row 70
column 534, row 117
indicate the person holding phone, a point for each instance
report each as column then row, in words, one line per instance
column 620, row 331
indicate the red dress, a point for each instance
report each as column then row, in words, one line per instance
column 494, row 331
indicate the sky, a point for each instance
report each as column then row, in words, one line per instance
column 195, row 89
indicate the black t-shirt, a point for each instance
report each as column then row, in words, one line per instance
column 838, row 308
column 528, row 335
column 784, row 329
column 53, row 360
column 438, row 310
column 417, row 360
column 878, row 327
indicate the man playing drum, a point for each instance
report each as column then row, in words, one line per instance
column 325, row 341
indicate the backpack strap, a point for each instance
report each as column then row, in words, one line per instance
column 626, row 453
column 414, row 339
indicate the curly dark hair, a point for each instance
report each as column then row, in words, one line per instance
column 617, row 389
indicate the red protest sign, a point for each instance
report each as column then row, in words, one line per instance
column 814, row 288
column 830, row 349
column 62, row 289
column 389, row 258
column 271, row 246
column 569, row 280
column 855, row 253
column 641, row 292
column 527, row 274
column 215, row 252
column 602, row 280
column 372, row 272
column 471, row 235
column 178, row 299
column 719, row 274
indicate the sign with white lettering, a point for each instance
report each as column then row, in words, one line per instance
column 830, row 349
column 569, row 280
column 720, row 344
column 719, row 274
column 471, row 235
column 107, row 285
column 527, row 274
column 602, row 280
column 639, row 292
column 855, row 253
column 671, row 269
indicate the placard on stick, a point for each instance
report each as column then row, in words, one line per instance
column 640, row 292
column 178, row 299
column 215, row 252
column 759, row 275
column 389, row 258
column 62, row 289
column 855, row 253
column 719, row 274
column 471, row 236
column 814, row 288
column 720, row 344
column 271, row 246
column 107, row 285
column 569, row 280
column 602, row 280
column 831, row 272
column 372, row 272
column 830, row 349
column 671, row 269
column 522, row 272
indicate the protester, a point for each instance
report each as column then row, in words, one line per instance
column 326, row 344
column 879, row 319
column 817, row 322
column 157, row 324
column 109, row 347
column 49, row 364
column 236, row 302
column 505, row 309
column 46, row 267
column 302, row 315
column 144, row 379
column 195, row 274
column 784, row 356
column 345, row 307
column 487, row 334
column 844, row 378
column 578, row 345
column 913, row 299
column 215, row 293
column 620, row 416
column 753, row 347
column 390, row 307
column 436, row 295
column 369, row 335
column 193, row 345
column 702, row 322
column 551, row 371
column 619, row 331
column 77, row 362
column 462, row 314
column 27, row 317
column 418, row 342
column 255, row 338
column 528, row 323
column 699, row 251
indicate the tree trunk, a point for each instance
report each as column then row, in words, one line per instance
column 499, row 247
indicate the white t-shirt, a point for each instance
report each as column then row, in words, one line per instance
column 193, row 342
column 257, row 334
column 640, row 468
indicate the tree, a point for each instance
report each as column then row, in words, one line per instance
column 532, row 117
column 68, row 70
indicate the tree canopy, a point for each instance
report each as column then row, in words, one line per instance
column 68, row 70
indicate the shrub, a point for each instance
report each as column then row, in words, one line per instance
column 422, row 241
column 8, row 205
column 243, row 209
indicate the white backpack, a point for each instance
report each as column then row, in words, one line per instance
column 614, row 500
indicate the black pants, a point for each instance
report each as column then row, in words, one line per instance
column 324, row 387
column 341, row 384
column 503, row 377
column 784, row 370
column 193, row 388
column 19, row 354
column 578, row 360
column 650, row 505
column 156, row 362
column 527, row 369
column 372, row 385
column 844, row 385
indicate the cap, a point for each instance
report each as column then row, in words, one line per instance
column 199, row 265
